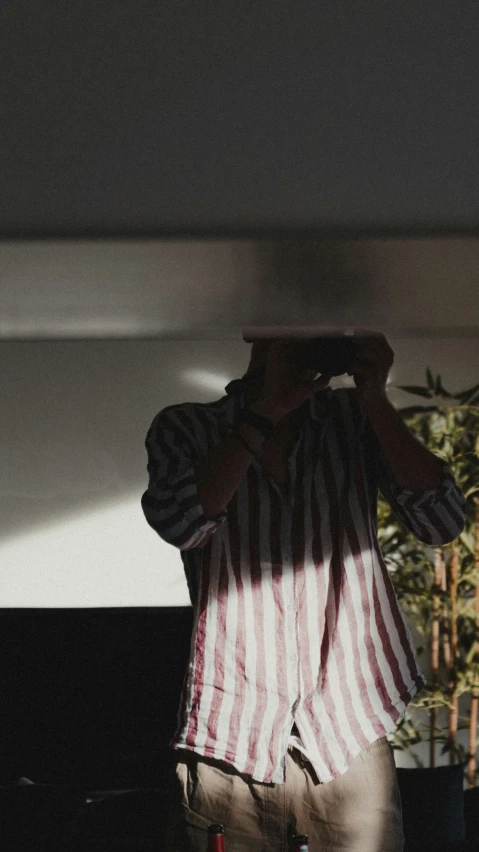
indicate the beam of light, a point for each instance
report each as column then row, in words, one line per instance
column 106, row 557
column 206, row 380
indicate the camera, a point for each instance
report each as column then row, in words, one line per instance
column 330, row 356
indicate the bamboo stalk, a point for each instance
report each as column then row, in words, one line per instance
column 473, row 721
column 474, row 710
column 435, row 647
column 446, row 644
column 454, row 709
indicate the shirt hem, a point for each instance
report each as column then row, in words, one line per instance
column 279, row 778
column 404, row 699
column 224, row 756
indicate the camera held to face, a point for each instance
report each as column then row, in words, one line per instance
column 330, row 356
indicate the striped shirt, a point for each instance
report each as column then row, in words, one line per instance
column 295, row 617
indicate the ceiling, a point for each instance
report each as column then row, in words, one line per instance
column 184, row 169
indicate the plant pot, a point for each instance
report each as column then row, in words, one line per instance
column 433, row 808
column 471, row 813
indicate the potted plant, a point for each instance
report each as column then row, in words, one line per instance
column 438, row 588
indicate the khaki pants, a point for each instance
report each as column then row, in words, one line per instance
column 357, row 812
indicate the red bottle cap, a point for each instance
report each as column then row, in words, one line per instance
column 216, row 838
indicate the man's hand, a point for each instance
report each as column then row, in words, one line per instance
column 285, row 388
column 370, row 370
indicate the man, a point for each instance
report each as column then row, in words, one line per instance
column 301, row 662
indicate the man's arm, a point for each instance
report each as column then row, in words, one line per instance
column 418, row 485
column 413, row 466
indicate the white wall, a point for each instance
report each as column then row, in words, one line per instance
column 73, row 423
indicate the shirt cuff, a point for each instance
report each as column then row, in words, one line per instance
column 191, row 506
column 416, row 499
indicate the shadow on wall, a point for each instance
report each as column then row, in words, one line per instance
column 300, row 277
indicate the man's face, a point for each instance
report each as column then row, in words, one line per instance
column 261, row 346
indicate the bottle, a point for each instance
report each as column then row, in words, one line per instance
column 300, row 843
column 216, row 838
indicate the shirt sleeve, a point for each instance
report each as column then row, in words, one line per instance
column 435, row 516
column 171, row 504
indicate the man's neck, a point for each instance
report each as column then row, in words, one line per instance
column 282, row 429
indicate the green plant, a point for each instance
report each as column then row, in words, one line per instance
column 438, row 587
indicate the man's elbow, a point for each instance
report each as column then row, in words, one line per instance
column 440, row 536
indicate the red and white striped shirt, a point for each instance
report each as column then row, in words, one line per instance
column 296, row 619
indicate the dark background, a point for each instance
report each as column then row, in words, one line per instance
column 90, row 696
column 89, row 704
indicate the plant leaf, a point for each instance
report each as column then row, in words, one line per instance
column 463, row 537
column 430, row 380
column 441, row 391
column 470, row 400
column 463, row 395
column 416, row 409
column 472, row 490
column 416, row 389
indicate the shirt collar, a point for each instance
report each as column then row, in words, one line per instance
column 313, row 409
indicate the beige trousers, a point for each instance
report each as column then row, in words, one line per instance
column 358, row 812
